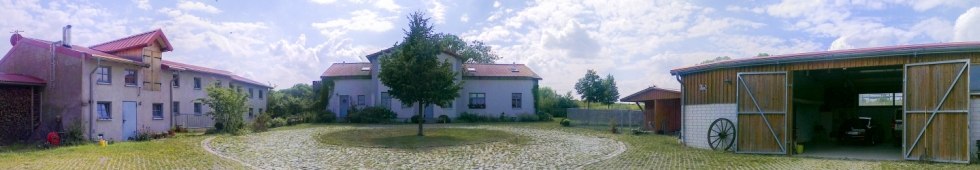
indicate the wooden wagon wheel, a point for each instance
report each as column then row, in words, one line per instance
column 721, row 134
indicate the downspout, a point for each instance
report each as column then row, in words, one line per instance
column 683, row 134
column 172, row 111
column 91, row 97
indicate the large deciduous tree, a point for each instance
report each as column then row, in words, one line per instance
column 413, row 70
column 227, row 108
column 590, row 88
column 610, row 92
column 472, row 52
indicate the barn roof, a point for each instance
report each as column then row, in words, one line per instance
column 652, row 93
column 887, row 51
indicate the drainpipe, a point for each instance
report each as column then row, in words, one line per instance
column 91, row 97
column 683, row 124
column 172, row 111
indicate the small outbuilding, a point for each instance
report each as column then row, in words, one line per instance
column 20, row 106
column 907, row 102
column 662, row 111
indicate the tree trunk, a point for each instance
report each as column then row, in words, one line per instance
column 588, row 106
column 421, row 117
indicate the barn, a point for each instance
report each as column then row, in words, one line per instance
column 908, row 102
column 661, row 109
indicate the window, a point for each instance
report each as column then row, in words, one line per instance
column 104, row 74
column 130, row 78
column 260, row 94
column 175, row 107
column 385, row 100
column 197, row 83
column 515, row 100
column 260, row 111
column 478, row 101
column 105, row 110
column 157, row 111
column 250, row 113
column 361, row 100
column 250, row 93
column 176, row 81
column 197, row 108
column 974, row 79
column 217, row 83
column 880, row 99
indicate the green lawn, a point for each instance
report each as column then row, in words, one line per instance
column 181, row 152
column 403, row 137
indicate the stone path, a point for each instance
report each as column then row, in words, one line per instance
column 297, row 149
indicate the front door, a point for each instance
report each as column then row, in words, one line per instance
column 762, row 107
column 129, row 120
column 937, row 111
column 428, row 113
column 344, row 105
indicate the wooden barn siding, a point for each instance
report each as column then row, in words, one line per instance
column 770, row 92
column 720, row 91
column 926, row 86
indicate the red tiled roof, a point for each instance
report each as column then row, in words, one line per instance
column 182, row 66
column 499, row 70
column 20, row 79
column 135, row 41
column 346, row 70
column 836, row 54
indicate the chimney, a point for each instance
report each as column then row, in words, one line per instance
column 66, row 36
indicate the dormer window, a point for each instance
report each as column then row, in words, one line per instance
column 471, row 69
column 514, row 69
column 365, row 68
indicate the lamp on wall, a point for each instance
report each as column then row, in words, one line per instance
column 702, row 87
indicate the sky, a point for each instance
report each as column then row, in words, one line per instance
column 638, row 42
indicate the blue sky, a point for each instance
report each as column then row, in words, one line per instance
column 638, row 42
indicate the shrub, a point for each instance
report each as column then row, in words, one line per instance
column 473, row 118
column 566, row 122
column 74, row 134
column 278, row 122
column 415, row 119
column 443, row 119
column 326, row 116
column 143, row 135
column 227, row 107
column 542, row 116
column 527, row 117
column 261, row 123
column 371, row 115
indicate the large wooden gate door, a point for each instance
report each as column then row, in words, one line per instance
column 762, row 107
column 937, row 111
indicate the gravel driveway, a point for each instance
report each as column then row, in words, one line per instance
column 297, row 149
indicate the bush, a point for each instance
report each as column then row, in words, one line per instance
column 326, row 116
column 443, row 119
column 278, row 122
column 473, row 118
column 261, row 123
column 566, row 122
column 415, row 119
column 527, row 117
column 74, row 134
column 371, row 115
column 542, row 116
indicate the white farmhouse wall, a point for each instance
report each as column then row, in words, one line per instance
column 698, row 118
column 498, row 96
column 117, row 92
column 353, row 88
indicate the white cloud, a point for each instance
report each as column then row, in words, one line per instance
column 143, row 4
column 496, row 4
column 464, row 18
column 967, row 25
column 935, row 28
column 27, row 16
column 324, row 2
column 197, row 6
column 389, row 5
column 361, row 20
column 437, row 10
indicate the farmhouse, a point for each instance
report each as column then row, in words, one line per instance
column 488, row 89
column 114, row 89
column 912, row 102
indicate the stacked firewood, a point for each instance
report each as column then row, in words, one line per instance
column 15, row 113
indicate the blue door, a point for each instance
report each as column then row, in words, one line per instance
column 428, row 113
column 344, row 105
column 129, row 120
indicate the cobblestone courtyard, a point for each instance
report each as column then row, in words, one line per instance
column 295, row 149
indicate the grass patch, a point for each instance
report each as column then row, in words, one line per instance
column 181, row 152
column 405, row 137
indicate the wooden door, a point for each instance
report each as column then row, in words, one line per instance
column 937, row 111
column 762, row 108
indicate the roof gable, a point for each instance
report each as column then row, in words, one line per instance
column 136, row 41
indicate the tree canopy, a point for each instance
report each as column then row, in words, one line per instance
column 610, row 92
column 414, row 72
column 228, row 107
column 590, row 87
column 553, row 103
column 472, row 52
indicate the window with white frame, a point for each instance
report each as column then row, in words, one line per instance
column 197, row 83
column 880, row 99
column 176, row 81
column 197, row 108
column 104, row 74
column 478, row 101
column 515, row 100
column 157, row 111
column 130, row 77
column 105, row 110
column 361, row 100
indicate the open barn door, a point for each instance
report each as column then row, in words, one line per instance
column 937, row 111
column 762, row 107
